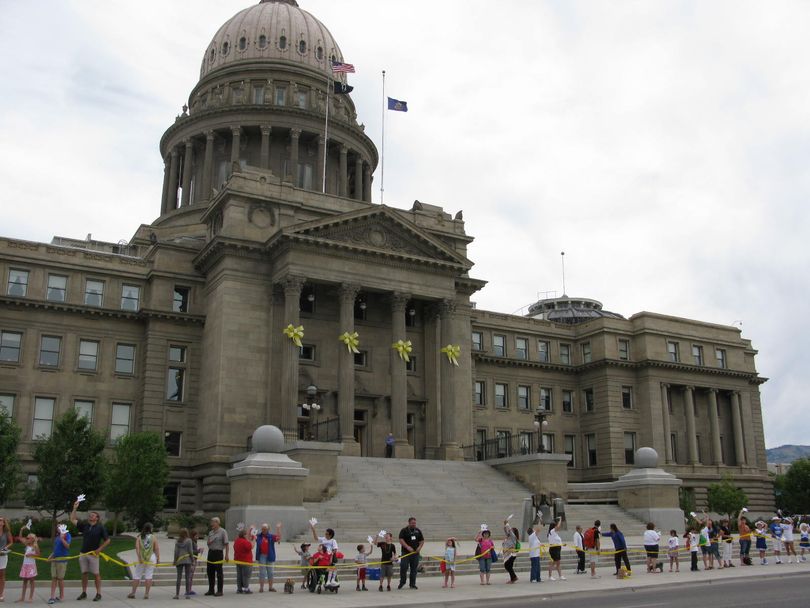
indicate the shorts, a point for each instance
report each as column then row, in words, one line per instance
column 386, row 571
column 554, row 553
column 714, row 550
column 266, row 569
column 58, row 570
column 778, row 544
column 704, row 549
column 593, row 554
column 145, row 572
column 485, row 565
column 652, row 551
column 673, row 554
column 88, row 564
column 3, row 562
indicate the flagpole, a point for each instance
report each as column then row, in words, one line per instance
column 382, row 154
column 326, row 130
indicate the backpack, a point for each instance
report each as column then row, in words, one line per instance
column 589, row 539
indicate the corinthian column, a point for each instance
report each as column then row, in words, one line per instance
column 691, row 437
column 736, row 421
column 348, row 294
column 358, row 178
column 172, row 199
column 164, row 199
column 208, row 167
column 669, row 457
column 343, row 171
column 295, row 134
column 292, row 286
column 714, row 423
column 264, row 153
column 399, row 381
column 187, row 164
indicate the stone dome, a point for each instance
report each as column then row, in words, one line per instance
column 569, row 311
column 272, row 30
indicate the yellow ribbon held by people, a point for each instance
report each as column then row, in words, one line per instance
column 404, row 348
column 294, row 333
column 351, row 340
column 452, row 351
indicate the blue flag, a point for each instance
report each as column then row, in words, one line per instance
column 397, row 105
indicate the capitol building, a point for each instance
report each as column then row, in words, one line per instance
column 271, row 290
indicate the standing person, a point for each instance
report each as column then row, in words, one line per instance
column 726, row 541
column 787, row 539
column 28, row 571
column 389, row 445
column 673, row 545
column 94, row 540
column 148, row 552
column 554, row 551
column 411, row 541
column 692, row 537
column 389, row 553
column 651, row 539
column 762, row 541
column 620, row 548
column 218, row 553
column 745, row 540
column 483, row 553
column 360, row 560
column 332, row 548
column 61, row 548
column 243, row 555
column 776, row 533
column 703, row 541
column 266, row 555
column 579, row 546
column 592, row 542
column 510, row 546
column 303, row 561
column 804, row 539
column 450, row 551
column 183, row 558
column 714, row 544
column 6, row 540
column 534, row 555
column 197, row 551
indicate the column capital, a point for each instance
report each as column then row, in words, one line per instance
column 266, row 129
column 399, row 301
column 348, row 292
column 175, row 152
column 713, row 391
column 188, row 143
column 321, row 140
column 236, row 130
column 447, row 308
column 666, row 385
column 209, row 135
column 295, row 133
column 292, row 285
column 689, row 389
column 344, row 150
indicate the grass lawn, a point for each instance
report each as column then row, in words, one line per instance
column 109, row 571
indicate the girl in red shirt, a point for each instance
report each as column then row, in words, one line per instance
column 243, row 555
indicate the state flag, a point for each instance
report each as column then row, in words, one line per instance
column 397, row 105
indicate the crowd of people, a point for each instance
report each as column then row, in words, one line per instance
column 707, row 541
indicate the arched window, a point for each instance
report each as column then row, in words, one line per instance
column 302, row 46
column 262, row 41
column 319, row 53
column 242, row 43
column 225, row 48
column 212, row 55
column 282, row 42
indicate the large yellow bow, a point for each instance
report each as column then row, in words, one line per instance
column 452, row 351
column 403, row 347
column 294, row 333
column 351, row 340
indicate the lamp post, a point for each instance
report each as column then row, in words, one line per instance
column 311, row 406
column 540, row 422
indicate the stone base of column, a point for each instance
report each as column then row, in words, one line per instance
column 450, row 451
column 350, row 447
column 403, row 449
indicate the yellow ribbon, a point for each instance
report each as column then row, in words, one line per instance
column 452, row 351
column 294, row 333
column 403, row 347
column 351, row 340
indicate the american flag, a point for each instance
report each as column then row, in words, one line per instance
column 338, row 67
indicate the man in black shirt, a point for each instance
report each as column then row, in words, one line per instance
column 389, row 552
column 411, row 540
column 94, row 540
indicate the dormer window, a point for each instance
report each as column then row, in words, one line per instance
column 282, row 42
column 302, row 46
column 319, row 53
column 242, row 43
column 262, row 41
column 225, row 48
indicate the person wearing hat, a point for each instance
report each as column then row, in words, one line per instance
column 776, row 533
column 762, row 540
column 304, row 556
column 787, row 539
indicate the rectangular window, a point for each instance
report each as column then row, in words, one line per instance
column 43, row 417
column 303, row 99
column 10, row 345
column 542, row 351
column 258, row 95
column 627, row 397
column 629, row 448
column 569, row 448
column 93, row 293
column 720, row 355
column 480, row 444
column 177, row 354
column 590, row 444
column 281, row 96
column 84, row 408
column 674, row 351
column 130, row 297
column 697, row 354
column 57, row 288
column 410, row 365
column 624, row 350
column 478, row 392
column 124, row 359
column 119, row 426
column 360, row 307
column 49, row 349
column 175, row 380
column 524, row 401
column 548, row 442
column 565, row 354
column 171, row 497
column 504, row 439
column 88, row 355
column 180, row 302
column 588, row 394
column 477, row 340
column 307, row 352
column 521, row 348
column 7, row 403
column 172, row 441
column 545, row 399
column 500, row 396
column 673, row 444
column 17, row 282
column 526, row 442
column 306, row 172
column 568, row 402
column 499, row 345
column 586, row 352
column 410, row 317
column 361, row 359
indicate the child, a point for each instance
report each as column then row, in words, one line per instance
column 148, row 554
column 389, row 554
column 787, row 539
column 673, row 544
column 243, row 556
column 321, row 561
column 361, row 559
column 183, row 558
column 28, row 572
column 304, row 556
column 484, row 554
column 804, row 539
column 693, row 544
column 194, row 536
column 450, row 563
column 762, row 544
column 61, row 547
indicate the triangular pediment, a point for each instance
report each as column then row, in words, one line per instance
column 380, row 231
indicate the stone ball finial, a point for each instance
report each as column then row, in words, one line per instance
column 268, row 438
column 646, row 458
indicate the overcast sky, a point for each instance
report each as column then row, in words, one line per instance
column 664, row 146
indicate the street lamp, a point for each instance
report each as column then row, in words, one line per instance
column 540, row 422
column 311, row 405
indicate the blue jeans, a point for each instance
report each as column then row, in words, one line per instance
column 535, row 571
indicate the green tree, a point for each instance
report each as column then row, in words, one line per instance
column 138, row 473
column 793, row 487
column 726, row 498
column 70, row 463
column 9, row 462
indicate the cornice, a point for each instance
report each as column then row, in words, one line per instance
column 92, row 311
column 221, row 246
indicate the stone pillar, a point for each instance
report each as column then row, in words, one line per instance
column 348, row 294
column 399, row 380
column 164, row 197
column 736, row 421
column 714, row 424
column 294, row 135
column 236, row 133
column 187, row 160
column 343, row 169
column 669, row 457
column 691, row 437
column 208, row 166
column 173, row 168
column 264, row 154
column 451, row 377
column 367, row 183
column 292, row 286
column 358, row 178
column 319, row 165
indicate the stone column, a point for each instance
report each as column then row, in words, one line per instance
column 348, row 294
column 264, row 154
column 236, row 133
column 358, row 178
column 669, row 457
column 736, row 421
column 173, row 168
column 714, row 423
column 399, row 381
column 294, row 135
column 343, row 169
column 451, row 379
column 691, row 437
column 319, row 165
column 367, row 183
column 292, row 286
column 208, row 166
column 164, row 197
column 187, row 159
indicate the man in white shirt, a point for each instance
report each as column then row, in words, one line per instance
column 534, row 555
column 580, row 548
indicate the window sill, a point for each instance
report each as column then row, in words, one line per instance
column 10, row 364
column 48, row 368
column 123, row 376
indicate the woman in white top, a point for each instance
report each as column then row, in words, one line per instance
column 554, row 552
column 651, row 540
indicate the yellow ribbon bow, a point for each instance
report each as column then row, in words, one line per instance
column 452, row 351
column 294, row 333
column 351, row 340
column 403, row 347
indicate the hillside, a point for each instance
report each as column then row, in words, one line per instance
column 788, row 453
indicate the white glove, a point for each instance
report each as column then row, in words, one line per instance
column 484, row 528
column 510, row 517
column 370, row 540
column 240, row 526
column 745, row 509
column 313, row 522
column 28, row 524
column 80, row 498
column 382, row 534
column 62, row 528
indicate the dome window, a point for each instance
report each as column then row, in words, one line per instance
column 225, row 48
column 282, row 42
column 212, row 55
column 262, row 41
column 302, row 46
column 319, row 53
column 242, row 43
